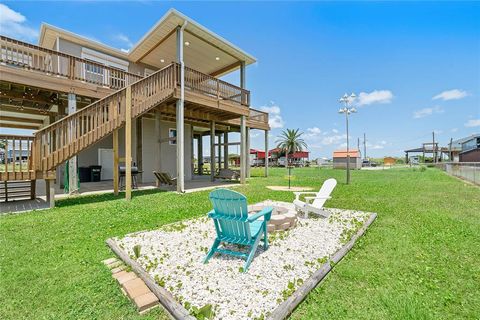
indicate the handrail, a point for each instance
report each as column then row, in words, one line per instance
column 16, row 146
column 65, row 138
column 206, row 84
column 257, row 115
column 51, row 62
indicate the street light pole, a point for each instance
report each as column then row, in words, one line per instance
column 347, row 109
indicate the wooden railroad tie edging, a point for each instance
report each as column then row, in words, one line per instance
column 172, row 306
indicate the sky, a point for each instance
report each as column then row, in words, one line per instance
column 414, row 66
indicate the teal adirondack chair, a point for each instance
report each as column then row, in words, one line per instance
column 233, row 225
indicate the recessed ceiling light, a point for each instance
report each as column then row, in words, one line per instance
column 217, row 58
column 162, row 60
column 187, row 43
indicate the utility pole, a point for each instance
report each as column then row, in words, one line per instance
column 450, row 155
column 433, row 148
column 358, row 144
column 364, row 146
column 347, row 110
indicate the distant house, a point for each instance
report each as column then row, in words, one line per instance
column 456, row 147
column 389, row 161
column 298, row 158
column 470, row 149
column 257, row 157
column 340, row 159
column 17, row 155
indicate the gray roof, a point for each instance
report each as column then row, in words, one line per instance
column 457, row 144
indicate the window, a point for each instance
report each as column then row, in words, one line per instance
column 471, row 144
column 172, row 133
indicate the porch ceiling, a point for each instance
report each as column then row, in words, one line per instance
column 201, row 54
column 26, row 107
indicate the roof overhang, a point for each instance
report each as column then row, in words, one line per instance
column 49, row 34
column 207, row 52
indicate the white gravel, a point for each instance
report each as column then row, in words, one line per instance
column 173, row 256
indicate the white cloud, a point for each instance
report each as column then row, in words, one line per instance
column 275, row 119
column 312, row 132
column 254, row 134
column 333, row 139
column 454, row 130
column 125, row 40
column 376, row 96
column 316, row 138
column 376, row 146
column 472, row 123
column 454, row 94
column 425, row 112
column 13, row 24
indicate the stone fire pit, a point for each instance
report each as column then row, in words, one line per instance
column 284, row 215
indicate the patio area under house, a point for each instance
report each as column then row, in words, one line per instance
column 132, row 113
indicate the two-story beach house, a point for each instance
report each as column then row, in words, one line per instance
column 90, row 104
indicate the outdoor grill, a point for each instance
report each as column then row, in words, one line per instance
column 122, row 171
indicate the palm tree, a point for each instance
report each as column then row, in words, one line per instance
column 290, row 141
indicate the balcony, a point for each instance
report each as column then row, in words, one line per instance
column 205, row 95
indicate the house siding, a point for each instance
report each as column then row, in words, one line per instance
column 470, row 156
column 168, row 153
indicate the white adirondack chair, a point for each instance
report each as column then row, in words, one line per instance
column 315, row 203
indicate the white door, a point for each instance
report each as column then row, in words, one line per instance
column 105, row 159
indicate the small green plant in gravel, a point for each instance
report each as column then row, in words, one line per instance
column 137, row 249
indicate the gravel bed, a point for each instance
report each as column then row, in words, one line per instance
column 173, row 256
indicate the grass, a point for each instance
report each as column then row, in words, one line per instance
column 419, row 260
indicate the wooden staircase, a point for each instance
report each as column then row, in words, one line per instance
column 63, row 139
column 16, row 190
column 36, row 157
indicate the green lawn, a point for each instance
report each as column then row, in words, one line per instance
column 419, row 260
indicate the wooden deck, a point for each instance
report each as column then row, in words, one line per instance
column 123, row 96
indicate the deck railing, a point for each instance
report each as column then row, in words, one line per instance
column 258, row 116
column 27, row 56
column 205, row 84
column 16, row 157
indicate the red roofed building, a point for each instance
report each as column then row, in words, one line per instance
column 257, row 157
column 340, row 159
column 298, row 158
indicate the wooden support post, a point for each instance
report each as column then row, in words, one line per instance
column 115, row 162
column 266, row 153
column 33, row 189
column 243, row 142
column 50, row 192
column 243, row 75
column 158, row 144
column 181, row 115
column 200, row 154
column 180, row 147
column 212, row 150
column 139, row 153
column 219, row 137
column 72, row 162
column 128, row 144
column 247, row 163
column 225, row 150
